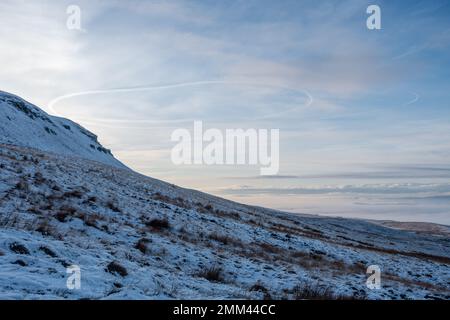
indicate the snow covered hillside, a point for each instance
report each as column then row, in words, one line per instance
column 26, row 125
column 65, row 203
column 137, row 237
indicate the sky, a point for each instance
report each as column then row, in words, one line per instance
column 363, row 114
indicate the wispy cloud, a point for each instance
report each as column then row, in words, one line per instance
column 386, row 172
column 372, row 189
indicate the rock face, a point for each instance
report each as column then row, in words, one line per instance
column 23, row 124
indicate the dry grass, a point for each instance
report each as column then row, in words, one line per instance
column 158, row 224
column 212, row 274
column 313, row 291
column 418, row 255
column 73, row 194
column 18, row 248
column 141, row 245
column 45, row 228
column 113, row 206
column 226, row 240
column 115, row 268
column 414, row 283
column 65, row 212
column 48, row 251
column 178, row 201
column 259, row 287
column 91, row 220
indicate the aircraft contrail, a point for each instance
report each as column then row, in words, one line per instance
column 52, row 104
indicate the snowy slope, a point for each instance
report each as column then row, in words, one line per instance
column 24, row 124
column 56, row 212
column 137, row 237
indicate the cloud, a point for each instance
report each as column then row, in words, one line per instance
column 370, row 189
column 36, row 50
column 387, row 172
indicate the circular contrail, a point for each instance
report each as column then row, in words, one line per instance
column 52, row 104
column 416, row 98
